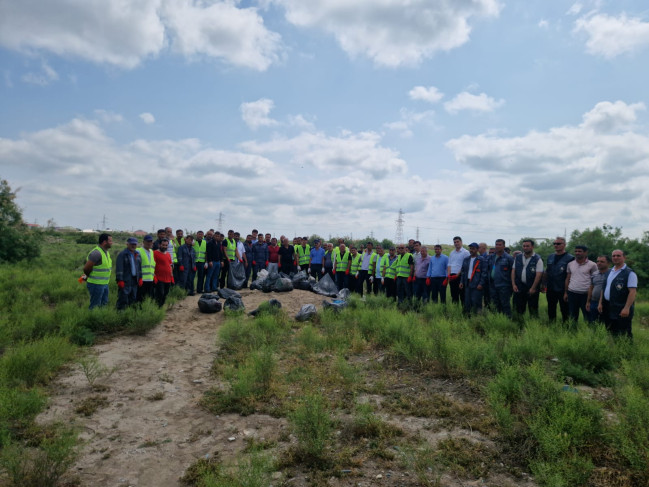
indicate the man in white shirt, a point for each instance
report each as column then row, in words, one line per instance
column 616, row 303
column 455, row 260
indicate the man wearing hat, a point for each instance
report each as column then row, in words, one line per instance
column 473, row 280
column 148, row 269
column 128, row 272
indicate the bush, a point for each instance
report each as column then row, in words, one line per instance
column 312, row 426
column 34, row 363
column 17, row 242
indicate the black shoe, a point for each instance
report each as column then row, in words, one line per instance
column 192, row 294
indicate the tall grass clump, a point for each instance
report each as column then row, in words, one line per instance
column 549, row 428
column 312, row 425
column 241, row 335
column 29, row 364
column 631, row 433
column 18, row 408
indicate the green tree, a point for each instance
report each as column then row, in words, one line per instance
column 17, row 242
column 600, row 240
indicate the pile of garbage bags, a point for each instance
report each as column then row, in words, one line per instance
column 209, row 303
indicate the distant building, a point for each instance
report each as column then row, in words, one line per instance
column 33, row 225
column 140, row 233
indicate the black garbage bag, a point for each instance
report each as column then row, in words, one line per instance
column 209, row 303
column 344, row 294
column 303, row 285
column 336, row 304
column 326, row 286
column 282, row 285
column 258, row 284
column 270, row 306
column 234, row 303
column 236, row 275
column 306, row 312
column 300, row 276
column 226, row 293
column 285, row 276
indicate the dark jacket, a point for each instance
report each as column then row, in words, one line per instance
column 260, row 253
column 530, row 270
column 556, row 271
column 472, row 277
column 123, row 266
column 186, row 257
column 501, row 267
column 214, row 251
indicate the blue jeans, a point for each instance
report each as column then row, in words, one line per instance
column 593, row 314
column 212, row 279
column 501, row 299
column 98, row 294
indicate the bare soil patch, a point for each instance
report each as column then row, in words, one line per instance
column 146, row 427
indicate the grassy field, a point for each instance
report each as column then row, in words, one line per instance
column 44, row 325
column 570, row 406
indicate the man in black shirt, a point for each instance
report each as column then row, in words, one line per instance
column 286, row 257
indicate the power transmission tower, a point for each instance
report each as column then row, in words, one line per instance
column 417, row 234
column 103, row 223
column 398, row 236
column 219, row 225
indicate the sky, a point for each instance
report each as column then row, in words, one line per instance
column 480, row 118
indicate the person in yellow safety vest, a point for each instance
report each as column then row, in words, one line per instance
column 377, row 269
column 231, row 253
column 390, row 281
column 303, row 253
column 97, row 270
column 177, row 242
column 341, row 269
column 354, row 283
column 336, row 252
column 148, row 269
column 405, row 273
column 200, row 248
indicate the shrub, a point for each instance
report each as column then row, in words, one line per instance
column 312, row 426
column 34, row 363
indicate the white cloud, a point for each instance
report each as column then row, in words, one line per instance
column 124, row 33
column 408, row 120
column 543, row 24
column 430, row 94
column 469, row 101
column 347, row 152
column 255, row 113
column 392, row 32
column 44, row 78
column 147, row 118
column 607, row 117
column 610, row 36
column 221, row 30
column 108, row 116
column 575, row 9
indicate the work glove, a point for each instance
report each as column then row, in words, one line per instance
column 240, row 261
column 445, row 282
column 371, row 278
column 82, row 278
column 309, row 270
column 172, row 280
column 382, row 281
column 266, row 263
column 347, row 272
column 254, row 263
column 333, row 271
column 194, row 268
column 140, row 282
column 120, row 284
column 410, row 279
column 279, row 265
column 323, row 271
column 299, row 268
column 428, row 281
column 181, row 268
column 155, row 280
column 205, row 265
column 356, row 275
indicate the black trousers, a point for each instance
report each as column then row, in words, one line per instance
column 457, row 294
column 523, row 299
column 146, row 291
column 554, row 298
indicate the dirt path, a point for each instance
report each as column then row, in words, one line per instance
column 150, row 428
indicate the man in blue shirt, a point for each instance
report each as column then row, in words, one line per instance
column 316, row 260
column 436, row 275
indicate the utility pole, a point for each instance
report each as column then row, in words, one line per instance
column 220, row 222
column 398, row 236
column 417, row 234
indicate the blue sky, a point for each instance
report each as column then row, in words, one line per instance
column 482, row 118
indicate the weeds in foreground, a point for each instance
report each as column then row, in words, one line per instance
column 312, row 425
column 93, row 369
column 41, row 466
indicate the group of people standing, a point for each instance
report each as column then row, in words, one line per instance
column 477, row 277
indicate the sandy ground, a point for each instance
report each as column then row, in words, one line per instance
column 151, row 427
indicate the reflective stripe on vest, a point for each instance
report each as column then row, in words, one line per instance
column 403, row 268
column 200, row 250
column 303, row 254
column 341, row 262
column 148, row 265
column 101, row 273
column 177, row 247
column 391, row 269
column 382, row 259
column 356, row 263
